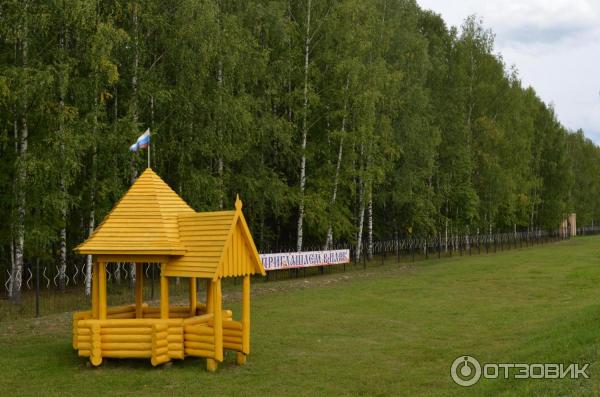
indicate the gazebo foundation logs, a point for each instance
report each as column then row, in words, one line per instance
column 160, row 340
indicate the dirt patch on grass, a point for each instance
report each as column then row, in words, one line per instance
column 46, row 325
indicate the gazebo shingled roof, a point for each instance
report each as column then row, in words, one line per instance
column 152, row 220
column 144, row 221
column 219, row 244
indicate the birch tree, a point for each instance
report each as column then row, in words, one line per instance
column 335, row 121
column 22, row 40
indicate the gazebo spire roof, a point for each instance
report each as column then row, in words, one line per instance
column 144, row 221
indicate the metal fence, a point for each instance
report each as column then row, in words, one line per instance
column 418, row 248
column 120, row 276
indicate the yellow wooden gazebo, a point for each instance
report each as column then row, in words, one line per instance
column 151, row 224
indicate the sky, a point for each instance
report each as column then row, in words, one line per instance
column 554, row 44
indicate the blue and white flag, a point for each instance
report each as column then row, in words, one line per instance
column 142, row 142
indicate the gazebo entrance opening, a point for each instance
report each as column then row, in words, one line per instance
column 143, row 306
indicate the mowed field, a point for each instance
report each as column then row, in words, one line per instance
column 390, row 330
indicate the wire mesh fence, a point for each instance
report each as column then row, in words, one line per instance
column 41, row 291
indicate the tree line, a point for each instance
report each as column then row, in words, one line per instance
column 335, row 120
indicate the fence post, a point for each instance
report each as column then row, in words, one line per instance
column 521, row 240
column 37, row 287
column 470, row 244
column 364, row 258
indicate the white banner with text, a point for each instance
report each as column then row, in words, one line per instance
column 291, row 260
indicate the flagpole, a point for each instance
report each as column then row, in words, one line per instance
column 149, row 152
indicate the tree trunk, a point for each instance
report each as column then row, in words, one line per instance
column 446, row 230
column 338, row 166
column 370, row 227
column 151, row 127
column 16, row 130
column 136, row 62
column 532, row 211
column 62, row 273
column 220, row 165
column 12, row 260
column 329, row 239
column 15, row 189
column 468, row 237
column 88, row 258
column 361, row 217
column 304, row 129
column 471, row 83
column 134, row 87
column 92, row 216
column 17, row 270
column 62, row 269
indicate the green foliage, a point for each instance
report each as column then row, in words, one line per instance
column 427, row 121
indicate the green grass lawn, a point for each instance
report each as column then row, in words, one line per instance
column 389, row 330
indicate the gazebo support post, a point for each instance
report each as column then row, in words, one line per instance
column 241, row 356
column 95, row 297
column 211, row 364
column 164, row 293
column 209, row 297
column 139, row 289
column 102, row 290
column 193, row 299
column 217, row 310
column 218, row 320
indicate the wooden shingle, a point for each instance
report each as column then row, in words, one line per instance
column 144, row 221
